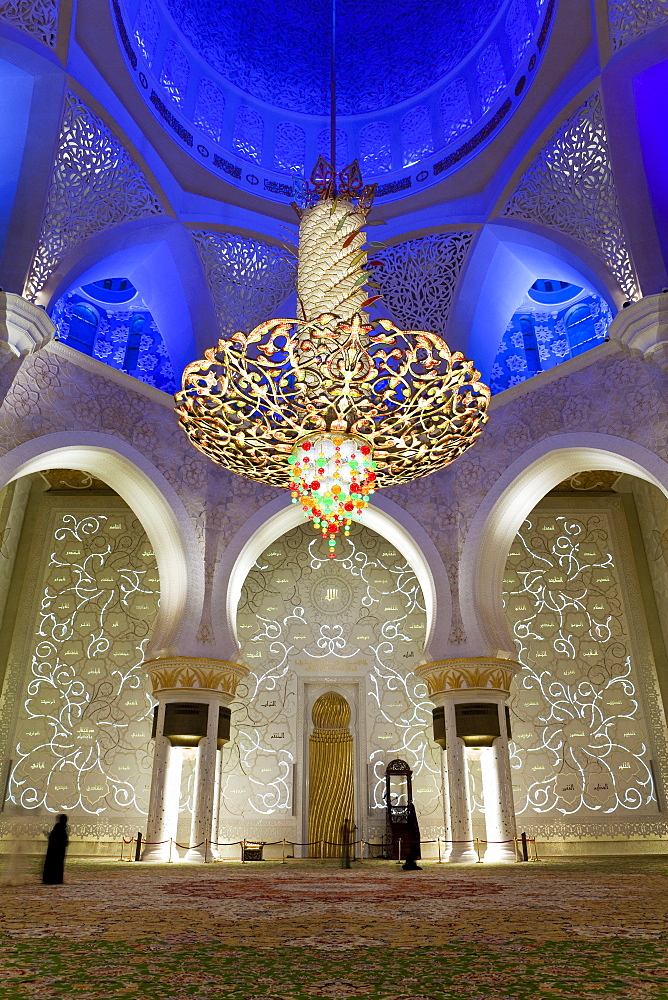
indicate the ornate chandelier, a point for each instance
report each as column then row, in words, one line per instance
column 333, row 405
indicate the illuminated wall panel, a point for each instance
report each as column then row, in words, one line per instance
column 587, row 720
column 355, row 623
column 81, row 703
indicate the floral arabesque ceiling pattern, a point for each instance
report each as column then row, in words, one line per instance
column 95, row 185
column 37, row 17
column 248, row 279
column 631, row 19
column 248, row 42
column 570, row 187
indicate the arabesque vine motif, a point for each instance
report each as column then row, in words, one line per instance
column 37, row 17
column 570, row 187
column 580, row 736
column 83, row 734
column 631, row 19
column 95, row 184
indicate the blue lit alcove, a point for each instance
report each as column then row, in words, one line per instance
column 555, row 321
column 109, row 321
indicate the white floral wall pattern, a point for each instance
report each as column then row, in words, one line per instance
column 570, row 187
column 584, row 741
column 418, row 278
column 38, row 17
column 357, row 620
column 84, row 706
column 248, row 279
column 630, row 19
column 95, row 185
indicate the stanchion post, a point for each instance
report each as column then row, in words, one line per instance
column 477, row 850
column 122, row 846
column 243, row 851
column 138, row 848
column 517, row 850
column 535, row 850
column 283, row 858
column 170, row 849
column 206, row 846
column 438, row 841
column 399, row 862
column 525, row 847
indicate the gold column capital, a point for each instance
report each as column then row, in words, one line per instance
column 195, row 673
column 472, row 673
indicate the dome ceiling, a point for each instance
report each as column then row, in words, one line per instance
column 388, row 50
column 422, row 87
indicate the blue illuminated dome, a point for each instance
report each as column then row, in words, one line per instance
column 244, row 86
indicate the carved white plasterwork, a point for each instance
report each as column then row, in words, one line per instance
column 585, row 707
column 630, row 19
column 358, row 620
column 418, row 278
column 570, row 187
column 37, row 17
column 95, row 185
column 76, row 709
column 248, row 279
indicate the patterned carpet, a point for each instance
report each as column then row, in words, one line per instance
column 556, row 929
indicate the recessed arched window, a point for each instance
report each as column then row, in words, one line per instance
column 375, row 149
column 530, row 344
column 248, row 136
column 174, row 77
column 209, row 109
column 83, row 328
column 416, row 137
column 289, row 148
column 133, row 343
column 580, row 328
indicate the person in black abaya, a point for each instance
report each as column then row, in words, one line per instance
column 54, row 862
column 414, row 852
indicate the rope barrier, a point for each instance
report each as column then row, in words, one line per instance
column 254, row 844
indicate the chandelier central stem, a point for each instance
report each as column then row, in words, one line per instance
column 332, row 93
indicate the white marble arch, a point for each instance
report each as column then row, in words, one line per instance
column 510, row 501
column 155, row 503
column 384, row 517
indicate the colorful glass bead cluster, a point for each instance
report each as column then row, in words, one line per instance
column 333, row 476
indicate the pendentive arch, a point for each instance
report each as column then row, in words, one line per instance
column 159, row 257
column 505, row 260
column 385, row 517
column 511, row 500
column 155, row 504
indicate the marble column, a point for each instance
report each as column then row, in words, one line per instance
column 462, row 848
column 205, row 783
column 215, row 852
column 191, row 680
column 497, row 790
column 475, row 681
column 163, row 811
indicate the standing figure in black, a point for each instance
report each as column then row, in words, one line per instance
column 54, row 862
column 414, row 852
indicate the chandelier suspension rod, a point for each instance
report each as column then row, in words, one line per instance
column 332, row 93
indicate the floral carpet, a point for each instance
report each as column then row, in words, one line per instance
column 591, row 929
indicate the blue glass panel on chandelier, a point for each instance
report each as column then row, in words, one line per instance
column 109, row 321
column 555, row 321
